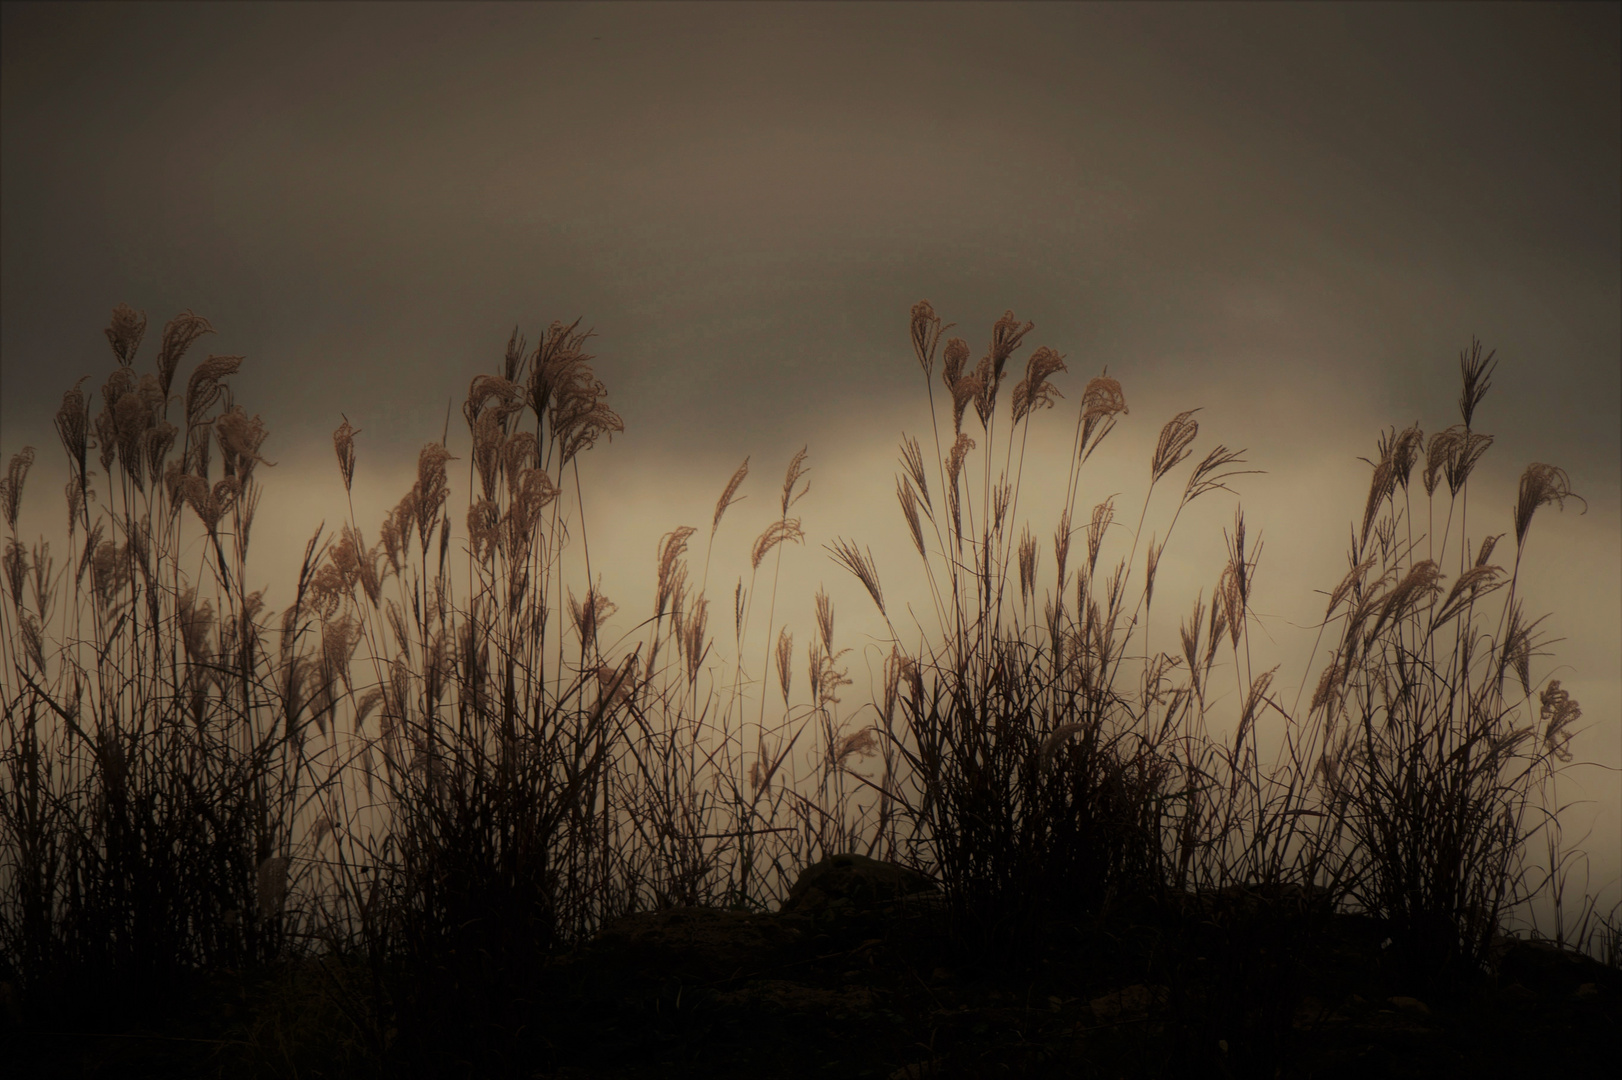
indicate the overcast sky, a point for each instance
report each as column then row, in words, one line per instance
column 1294, row 216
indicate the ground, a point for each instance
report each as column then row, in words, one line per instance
column 853, row 984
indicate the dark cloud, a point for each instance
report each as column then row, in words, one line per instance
column 744, row 201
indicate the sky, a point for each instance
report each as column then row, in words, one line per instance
column 1293, row 217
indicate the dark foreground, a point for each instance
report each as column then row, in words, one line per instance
column 847, row 983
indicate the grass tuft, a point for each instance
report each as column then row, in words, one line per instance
column 445, row 762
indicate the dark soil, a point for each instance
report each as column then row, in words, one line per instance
column 1233, row 985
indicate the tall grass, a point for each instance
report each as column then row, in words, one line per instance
column 1057, row 759
column 1430, row 763
column 155, row 753
column 441, row 764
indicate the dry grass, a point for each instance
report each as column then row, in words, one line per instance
column 440, row 765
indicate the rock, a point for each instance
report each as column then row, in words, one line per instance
column 1545, row 966
column 850, row 883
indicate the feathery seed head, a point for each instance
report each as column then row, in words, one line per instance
column 1381, row 485
column 485, row 388
column 957, row 354
column 136, row 411
column 484, row 529
column 1540, row 485
column 120, row 381
column 15, row 568
column 1473, row 583
column 195, row 623
column 396, row 527
column 846, row 553
column 1208, row 475
column 1103, row 516
column 1190, row 634
column 1228, row 589
column 1006, row 334
column 985, row 398
column 1172, row 448
column 694, row 647
column 1558, row 712
column 912, row 459
column 513, row 361
column 1253, row 700
column 109, row 572
column 107, row 419
column 489, row 440
column 1100, row 403
column 964, row 390
column 124, row 333
column 909, row 510
column 826, row 676
column 11, row 488
column 1002, row 496
column 1405, row 453
column 1061, row 548
column 954, row 459
column 178, row 336
column 1329, row 683
column 1352, row 580
column 431, row 488
column 339, row 637
column 926, row 334
column 343, row 444
column 672, row 546
column 785, row 656
column 1420, row 583
column 240, row 438
column 894, row 665
column 780, row 531
column 1471, row 447
column 796, row 469
column 1033, row 391
column 534, row 493
column 1154, row 565
column 74, row 490
column 825, row 619
column 862, row 744
column 590, row 614
column 1027, row 565
column 156, row 443
column 73, row 426
column 203, row 387
column 1476, row 373
column 1243, row 569
column 579, row 417
column 521, row 451
column 727, row 496
column 1439, row 456
column 555, row 363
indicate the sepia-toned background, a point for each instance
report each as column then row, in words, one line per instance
column 1294, row 217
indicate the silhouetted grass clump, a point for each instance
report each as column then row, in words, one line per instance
column 438, row 767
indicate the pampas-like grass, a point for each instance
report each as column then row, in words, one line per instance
column 442, row 779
